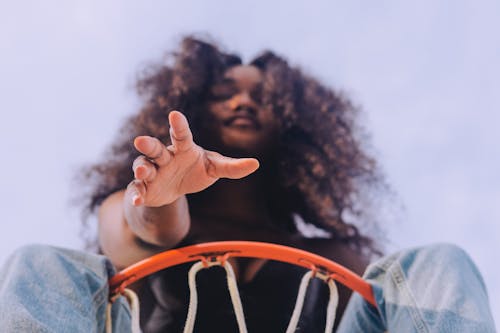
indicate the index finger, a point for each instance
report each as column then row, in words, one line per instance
column 153, row 149
column 180, row 134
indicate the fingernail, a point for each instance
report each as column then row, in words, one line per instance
column 135, row 199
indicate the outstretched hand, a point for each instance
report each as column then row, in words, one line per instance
column 164, row 173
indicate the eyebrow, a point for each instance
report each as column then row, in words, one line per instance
column 226, row 80
column 231, row 81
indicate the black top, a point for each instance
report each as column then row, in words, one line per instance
column 268, row 300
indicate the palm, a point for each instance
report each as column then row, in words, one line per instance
column 181, row 168
column 185, row 173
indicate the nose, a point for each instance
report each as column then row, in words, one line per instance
column 243, row 100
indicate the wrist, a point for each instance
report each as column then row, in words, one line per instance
column 162, row 226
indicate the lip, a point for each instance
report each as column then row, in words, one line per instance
column 242, row 121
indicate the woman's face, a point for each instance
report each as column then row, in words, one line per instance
column 239, row 124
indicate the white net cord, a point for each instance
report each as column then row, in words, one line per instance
column 235, row 298
column 331, row 309
column 233, row 291
column 133, row 301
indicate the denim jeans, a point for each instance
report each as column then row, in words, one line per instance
column 49, row 289
column 430, row 289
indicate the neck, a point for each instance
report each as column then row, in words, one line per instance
column 228, row 200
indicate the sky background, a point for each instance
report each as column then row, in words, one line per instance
column 425, row 73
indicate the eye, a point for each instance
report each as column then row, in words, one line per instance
column 223, row 91
column 256, row 94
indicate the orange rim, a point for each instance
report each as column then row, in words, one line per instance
column 220, row 251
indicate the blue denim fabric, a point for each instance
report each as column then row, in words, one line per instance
column 48, row 289
column 430, row 289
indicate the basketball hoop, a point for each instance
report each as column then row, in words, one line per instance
column 217, row 253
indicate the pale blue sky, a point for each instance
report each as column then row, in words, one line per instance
column 425, row 73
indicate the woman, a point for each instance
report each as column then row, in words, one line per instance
column 302, row 133
column 257, row 149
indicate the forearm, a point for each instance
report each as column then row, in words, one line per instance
column 123, row 245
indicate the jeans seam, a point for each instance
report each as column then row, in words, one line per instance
column 98, row 299
column 127, row 309
column 398, row 277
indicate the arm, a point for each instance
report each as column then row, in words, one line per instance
column 121, row 223
column 152, row 214
column 163, row 226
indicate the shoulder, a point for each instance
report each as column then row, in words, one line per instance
column 111, row 209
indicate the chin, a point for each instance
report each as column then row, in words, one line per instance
column 248, row 145
column 240, row 150
column 238, row 143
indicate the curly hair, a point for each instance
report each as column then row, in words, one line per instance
column 322, row 166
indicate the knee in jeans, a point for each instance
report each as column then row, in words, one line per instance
column 441, row 257
column 447, row 253
column 32, row 253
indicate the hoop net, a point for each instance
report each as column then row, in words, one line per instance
column 211, row 254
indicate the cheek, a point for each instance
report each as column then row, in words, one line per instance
column 217, row 110
column 269, row 119
column 208, row 120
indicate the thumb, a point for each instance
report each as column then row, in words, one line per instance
column 220, row 166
